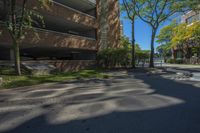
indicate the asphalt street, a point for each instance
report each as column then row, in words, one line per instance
column 129, row 102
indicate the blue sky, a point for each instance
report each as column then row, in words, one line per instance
column 142, row 32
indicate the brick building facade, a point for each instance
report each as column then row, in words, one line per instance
column 74, row 30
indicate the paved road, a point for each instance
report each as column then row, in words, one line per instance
column 130, row 102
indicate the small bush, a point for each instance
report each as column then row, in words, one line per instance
column 111, row 58
column 171, row 61
column 179, row 61
column 142, row 56
column 175, row 61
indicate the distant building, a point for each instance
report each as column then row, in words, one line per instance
column 190, row 17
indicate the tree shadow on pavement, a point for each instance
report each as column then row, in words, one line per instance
column 172, row 107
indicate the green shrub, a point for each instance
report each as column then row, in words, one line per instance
column 111, row 58
column 171, row 61
column 179, row 61
column 175, row 61
column 142, row 56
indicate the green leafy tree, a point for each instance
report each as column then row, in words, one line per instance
column 128, row 7
column 124, row 42
column 18, row 21
column 155, row 12
column 164, row 39
column 194, row 5
column 166, row 33
column 185, row 37
column 164, row 50
column 142, row 56
column 137, row 47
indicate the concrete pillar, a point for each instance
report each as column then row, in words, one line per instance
column 103, row 24
column 109, row 24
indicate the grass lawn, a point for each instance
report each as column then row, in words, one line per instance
column 12, row 81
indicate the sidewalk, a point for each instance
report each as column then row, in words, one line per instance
column 181, row 65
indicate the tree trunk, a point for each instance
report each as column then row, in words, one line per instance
column 17, row 58
column 165, row 59
column 151, row 64
column 133, row 43
column 174, row 55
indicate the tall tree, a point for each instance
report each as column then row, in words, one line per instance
column 164, row 38
column 128, row 7
column 166, row 33
column 125, row 43
column 194, row 5
column 18, row 20
column 155, row 12
column 186, row 37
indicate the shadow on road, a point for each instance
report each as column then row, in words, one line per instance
column 136, row 103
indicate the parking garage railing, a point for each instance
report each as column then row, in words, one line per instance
column 75, row 10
